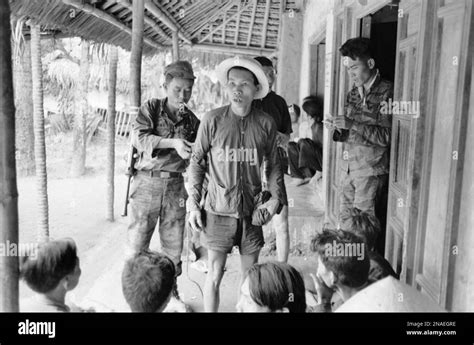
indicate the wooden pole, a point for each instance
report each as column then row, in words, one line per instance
column 136, row 54
column 175, row 46
column 40, row 145
column 111, row 131
column 9, row 289
column 218, row 48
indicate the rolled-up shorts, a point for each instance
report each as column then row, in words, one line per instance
column 222, row 233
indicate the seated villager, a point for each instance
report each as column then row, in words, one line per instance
column 367, row 226
column 147, row 282
column 306, row 155
column 51, row 271
column 343, row 267
column 295, row 113
column 272, row 287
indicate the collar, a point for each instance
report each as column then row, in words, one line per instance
column 364, row 90
column 164, row 110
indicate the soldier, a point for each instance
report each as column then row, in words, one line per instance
column 163, row 133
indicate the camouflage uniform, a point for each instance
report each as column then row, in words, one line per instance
column 366, row 147
column 158, row 190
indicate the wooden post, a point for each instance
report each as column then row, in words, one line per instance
column 40, row 145
column 111, row 131
column 175, row 46
column 136, row 55
column 8, row 190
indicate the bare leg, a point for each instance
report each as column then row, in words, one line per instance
column 216, row 265
column 282, row 232
column 246, row 261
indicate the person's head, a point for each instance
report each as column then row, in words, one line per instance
column 54, row 265
column 147, row 281
column 244, row 81
column 295, row 112
column 272, row 287
column 342, row 259
column 179, row 81
column 363, row 224
column 358, row 59
column 267, row 67
column 314, row 107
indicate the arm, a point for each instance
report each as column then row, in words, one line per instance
column 144, row 137
column 198, row 165
column 273, row 169
column 378, row 134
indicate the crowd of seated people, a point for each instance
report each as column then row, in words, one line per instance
column 148, row 277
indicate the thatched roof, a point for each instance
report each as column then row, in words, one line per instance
column 205, row 25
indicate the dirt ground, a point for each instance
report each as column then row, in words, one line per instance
column 77, row 210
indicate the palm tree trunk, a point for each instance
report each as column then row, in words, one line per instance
column 40, row 146
column 78, row 165
column 8, row 189
column 111, row 132
column 23, row 87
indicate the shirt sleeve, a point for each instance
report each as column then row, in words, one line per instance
column 273, row 169
column 286, row 119
column 144, row 137
column 198, row 164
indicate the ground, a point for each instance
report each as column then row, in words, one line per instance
column 77, row 210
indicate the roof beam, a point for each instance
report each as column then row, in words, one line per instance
column 148, row 21
column 216, row 15
column 224, row 23
column 80, row 5
column 249, row 38
column 226, row 49
column 265, row 23
column 237, row 27
column 166, row 19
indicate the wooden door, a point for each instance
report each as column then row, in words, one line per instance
column 443, row 154
column 336, row 85
column 406, row 85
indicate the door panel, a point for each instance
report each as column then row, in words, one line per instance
column 403, row 134
column 452, row 23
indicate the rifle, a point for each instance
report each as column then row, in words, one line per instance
column 132, row 158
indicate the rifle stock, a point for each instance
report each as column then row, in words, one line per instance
column 132, row 158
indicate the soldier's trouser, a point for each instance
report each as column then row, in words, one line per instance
column 153, row 198
column 361, row 192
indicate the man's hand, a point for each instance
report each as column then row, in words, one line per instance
column 324, row 292
column 183, row 147
column 195, row 220
column 342, row 122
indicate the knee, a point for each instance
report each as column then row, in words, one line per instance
column 215, row 273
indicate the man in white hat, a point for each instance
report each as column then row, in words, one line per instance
column 231, row 145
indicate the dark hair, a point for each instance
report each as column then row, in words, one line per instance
column 264, row 61
column 363, row 224
column 296, row 109
column 314, row 107
column 277, row 285
column 53, row 261
column 359, row 47
column 240, row 68
column 147, row 281
column 169, row 77
column 349, row 269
